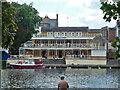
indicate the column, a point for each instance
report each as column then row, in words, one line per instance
column 80, row 52
column 64, row 44
column 48, row 42
column 56, row 52
column 40, row 43
column 105, row 45
column 72, row 43
column 33, row 53
column 72, row 54
column 87, row 54
column 98, row 45
column 63, row 52
column 40, row 53
column 47, row 53
column 92, row 45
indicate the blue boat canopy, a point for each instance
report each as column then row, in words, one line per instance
column 5, row 55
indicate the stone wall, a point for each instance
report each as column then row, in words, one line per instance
column 113, row 62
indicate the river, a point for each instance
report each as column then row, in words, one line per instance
column 49, row 78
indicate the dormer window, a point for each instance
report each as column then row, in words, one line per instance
column 48, row 34
column 58, row 34
column 51, row 34
column 80, row 34
column 72, row 34
column 69, row 34
column 65, row 34
column 55, row 34
column 77, row 34
column 62, row 34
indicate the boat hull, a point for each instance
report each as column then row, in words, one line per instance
column 27, row 66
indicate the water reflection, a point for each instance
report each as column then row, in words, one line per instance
column 49, row 78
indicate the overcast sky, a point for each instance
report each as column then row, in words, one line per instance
column 72, row 13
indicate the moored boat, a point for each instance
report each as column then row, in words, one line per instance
column 31, row 63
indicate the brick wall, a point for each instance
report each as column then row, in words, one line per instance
column 112, row 35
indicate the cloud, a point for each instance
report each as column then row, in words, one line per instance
column 78, row 3
column 87, row 12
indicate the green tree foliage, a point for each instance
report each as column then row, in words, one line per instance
column 27, row 17
column 116, row 44
column 112, row 10
column 9, row 25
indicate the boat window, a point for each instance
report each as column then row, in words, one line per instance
column 37, row 60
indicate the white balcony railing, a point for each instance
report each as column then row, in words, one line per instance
column 20, row 56
column 63, row 46
column 77, row 56
column 83, row 35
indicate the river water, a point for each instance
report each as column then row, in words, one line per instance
column 49, row 78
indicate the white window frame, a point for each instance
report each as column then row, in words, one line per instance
column 48, row 34
column 80, row 34
column 51, row 34
column 58, row 34
column 65, row 34
column 77, row 34
column 70, row 34
column 55, row 34
column 73, row 34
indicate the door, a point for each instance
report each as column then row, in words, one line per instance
column 44, row 53
column 60, row 54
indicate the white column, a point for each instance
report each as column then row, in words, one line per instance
column 98, row 45
column 92, row 45
column 105, row 45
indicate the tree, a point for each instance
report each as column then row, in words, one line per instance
column 27, row 19
column 9, row 25
column 112, row 10
column 116, row 44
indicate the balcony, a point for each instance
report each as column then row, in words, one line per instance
column 53, row 36
column 63, row 46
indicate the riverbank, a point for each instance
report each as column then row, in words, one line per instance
column 78, row 66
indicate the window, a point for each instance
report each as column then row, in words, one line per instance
column 51, row 34
column 77, row 34
column 58, row 34
column 55, row 34
column 80, row 34
column 62, row 34
column 65, row 34
column 48, row 34
column 42, row 24
column 50, row 53
column 72, row 34
column 37, row 53
column 45, row 25
column 69, row 34
column 83, row 41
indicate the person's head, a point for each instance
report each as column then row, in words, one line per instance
column 62, row 77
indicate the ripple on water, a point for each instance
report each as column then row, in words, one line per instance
column 49, row 78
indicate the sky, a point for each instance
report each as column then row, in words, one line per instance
column 72, row 13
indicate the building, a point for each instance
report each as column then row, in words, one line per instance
column 79, row 45
column 109, row 34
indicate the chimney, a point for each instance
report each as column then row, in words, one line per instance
column 57, row 19
column 57, row 16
